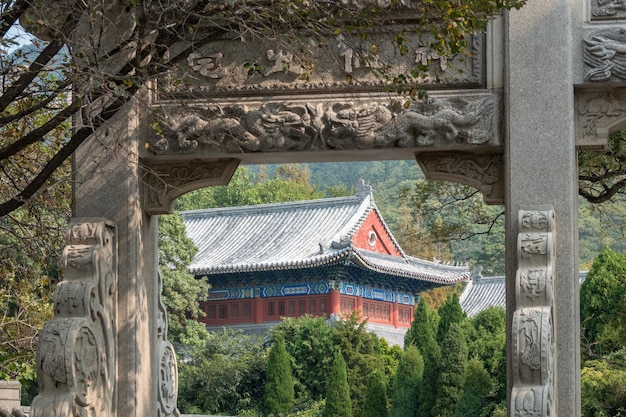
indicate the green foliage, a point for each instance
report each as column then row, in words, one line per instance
column 31, row 241
column 422, row 334
column 603, row 304
column 476, row 388
column 423, row 329
column 404, row 402
column 360, row 350
column 223, row 372
column 181, row 290
column 278, row 398
column 455, row 217
column 489, row 346
column 603, row 386
column 375, row 404
column 450, row 312
column 452, row 371
column 602, row 173
column 309, row 342
column 290, row 183
column 338, row 403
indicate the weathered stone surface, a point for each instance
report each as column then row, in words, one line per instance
column 344, row 64
column 463, row 121
column 77, row 352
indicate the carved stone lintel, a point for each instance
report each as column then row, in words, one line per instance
column 482, row 171
column 165, row 181
column 331, row 124
column 598, row 115
column 76, row 357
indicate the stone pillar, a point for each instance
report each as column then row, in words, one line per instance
column 541, row 170
column 108, row 184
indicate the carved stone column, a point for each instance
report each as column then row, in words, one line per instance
column 76, row 356
column 541, row 170
column 532, row 335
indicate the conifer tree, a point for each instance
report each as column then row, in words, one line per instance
column 404, row 402
column 338, row 403
column 376, row 396
column 423, row 334
column 279, row 392
column 476, row 389
column 449, row 312
column 452, row 371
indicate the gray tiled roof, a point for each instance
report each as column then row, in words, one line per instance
column 298, row 235
column 484, row 292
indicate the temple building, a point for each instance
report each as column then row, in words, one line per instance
column 325, row 257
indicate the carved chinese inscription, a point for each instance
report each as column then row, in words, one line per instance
column 344, row 63
column 532, row 325
column 76, row 360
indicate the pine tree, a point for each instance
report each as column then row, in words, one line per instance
column 424, row 326
column 476, row 389
column 422, row 334
column 450, row 312
column 375, row 404
column 279, row 392
column 338, row 402
column 404, row 402
column 452, row 371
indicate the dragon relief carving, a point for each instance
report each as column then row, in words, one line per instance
column 604, row 55
column 282, row 126
column 607, row 9
column 76, row 360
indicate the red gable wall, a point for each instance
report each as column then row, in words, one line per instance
column 382, row 242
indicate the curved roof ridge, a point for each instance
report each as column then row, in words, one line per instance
column 256, row 208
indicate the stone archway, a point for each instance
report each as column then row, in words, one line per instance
column 545, row 81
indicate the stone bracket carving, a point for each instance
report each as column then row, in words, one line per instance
column 165, row 181
column 598, row 114
column 482, row 171
column 76, row 353
column 532, row 333
column 464, row 121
